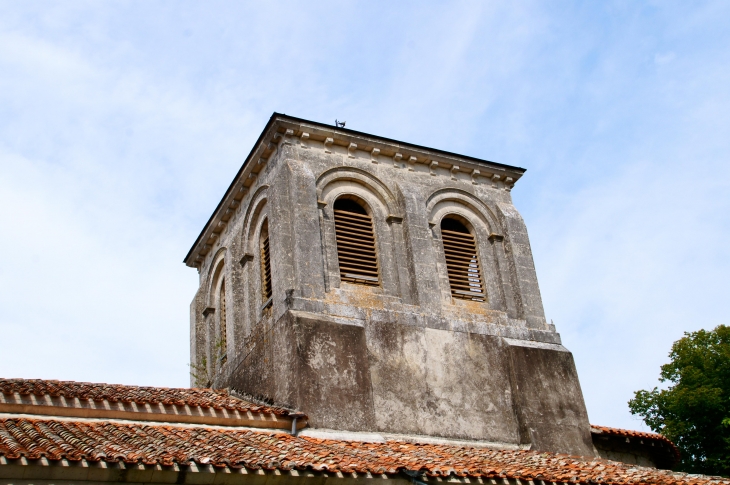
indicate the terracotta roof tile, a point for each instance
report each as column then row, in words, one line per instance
column 643, row 435
column 203, row 398
column 235, row 448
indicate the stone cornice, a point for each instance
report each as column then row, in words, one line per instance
column 295, row 131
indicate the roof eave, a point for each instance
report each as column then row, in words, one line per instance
column 271, row 129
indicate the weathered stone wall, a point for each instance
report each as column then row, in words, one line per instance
column 403, row 357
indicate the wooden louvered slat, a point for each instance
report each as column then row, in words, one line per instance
column 266, row 289
column 360, row 234
column 345, row 214
column 457, row 246
column 473, row 274
column 462, row 263
column 460, row 259
column 355, row 226
column 223, row 331
column 366, row 266
column 356, row 248
column 461, row 279
column 356, row 252
column 358, row 259
column 354, row 229
column 354, row 235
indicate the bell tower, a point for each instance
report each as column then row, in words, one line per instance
column 381, row 286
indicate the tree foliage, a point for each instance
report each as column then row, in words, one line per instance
column 694, row 410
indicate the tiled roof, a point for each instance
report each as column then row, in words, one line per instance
column 235, row 449
column 629, row 433
column 642, row 435
column 82, row 399
column 204, row 398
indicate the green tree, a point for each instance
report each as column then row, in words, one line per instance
column 694, row 410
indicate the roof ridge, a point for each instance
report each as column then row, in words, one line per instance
column 109, row 384
column 219, row 403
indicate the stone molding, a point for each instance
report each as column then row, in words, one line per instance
column 298, row 133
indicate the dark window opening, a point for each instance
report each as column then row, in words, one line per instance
column 462, row 261
column 355, row 243
column 223, row 330
column 266, row 289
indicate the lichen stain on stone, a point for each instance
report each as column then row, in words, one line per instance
column 362, row 296
column 321, row 354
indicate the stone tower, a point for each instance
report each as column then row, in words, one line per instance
column 381, row 286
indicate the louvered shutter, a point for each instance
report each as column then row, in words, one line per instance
column 356, row 245
column 223, row 331
column 462, row 263
column 266, row 290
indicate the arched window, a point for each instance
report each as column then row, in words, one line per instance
column 462, row 260
column 266, row 289
column 355, row 243
column 223, row 340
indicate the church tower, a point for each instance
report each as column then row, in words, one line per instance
column 384, row 287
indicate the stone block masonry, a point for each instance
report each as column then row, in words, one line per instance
column 401, row 354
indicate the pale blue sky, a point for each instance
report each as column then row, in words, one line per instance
column 122, row 123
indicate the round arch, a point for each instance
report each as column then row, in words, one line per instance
column 331, row 183
column 214, row 275
column 465, row 205
column 257, row 211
